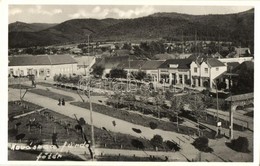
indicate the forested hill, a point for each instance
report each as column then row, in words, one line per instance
column 237, row 27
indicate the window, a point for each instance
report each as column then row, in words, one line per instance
column 195, row 69
column 206, row 70
column 217, row 69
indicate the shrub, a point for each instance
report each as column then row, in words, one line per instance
column 201, row 144
column 240, row 144
column 153, row 125
column 157, row 141
column 172, row 145
column 137, row 144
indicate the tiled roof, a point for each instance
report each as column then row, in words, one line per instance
column 213, row 62
column 182, row 63
column 153, row 64
column 40, row 60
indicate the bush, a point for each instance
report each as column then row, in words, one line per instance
column 172, row 145
column 157, row 141
column 153, row 125
column 201, row 144
column 240, row 144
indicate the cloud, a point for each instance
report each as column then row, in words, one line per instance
column 98, row 12
column 15, row 11
column 39, row 10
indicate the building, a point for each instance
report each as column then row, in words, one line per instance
column 41, row 66
column 151, row 68
column 84, row 64
column 203, row 72
column 175, row 71
column 239, row 60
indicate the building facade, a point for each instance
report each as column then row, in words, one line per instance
column 41, row 66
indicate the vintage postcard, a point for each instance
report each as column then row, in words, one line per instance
column 131, row 83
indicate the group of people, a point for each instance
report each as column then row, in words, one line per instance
column 61, row 102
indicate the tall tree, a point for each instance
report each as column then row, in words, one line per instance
column 176, row 105
column 198, row 106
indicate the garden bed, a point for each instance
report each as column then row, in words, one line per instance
column 20, row 107
column 52, row 121
column 53, row 95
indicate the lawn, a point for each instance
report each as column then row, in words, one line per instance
column 53, row 95
column 139, row 119
column 18, row 86
column 52, row 121
column 73, row 90
column 20, row 107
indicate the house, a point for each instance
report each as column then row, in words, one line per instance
column 203, row 72
column 41, row 66
column 175, row 71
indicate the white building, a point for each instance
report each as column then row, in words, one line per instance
column 41, row 66
column 206, row 71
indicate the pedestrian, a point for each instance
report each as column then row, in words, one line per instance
column 63, row 102
column 59, row 102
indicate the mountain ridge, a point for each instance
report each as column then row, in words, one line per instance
column 169, row 26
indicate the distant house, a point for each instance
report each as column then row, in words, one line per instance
column 239, row 52
column 41, row 66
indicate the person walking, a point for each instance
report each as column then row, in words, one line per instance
column 63, row 102
column 59, row 102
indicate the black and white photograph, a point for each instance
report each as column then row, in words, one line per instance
column 130, row 83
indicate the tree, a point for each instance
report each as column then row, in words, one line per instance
column 198, row 106
column 157, row 141
column 176, row 105
column 140, row 75
column 240, row 144
column 201, row 144
column 118, row 73
column 127, row 46
column 159, row 99
column 98, row 71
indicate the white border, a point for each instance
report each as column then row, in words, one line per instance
column 4, row 66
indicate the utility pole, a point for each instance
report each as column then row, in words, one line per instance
column 92, row 127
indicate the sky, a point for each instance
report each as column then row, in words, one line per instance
column 60, row 13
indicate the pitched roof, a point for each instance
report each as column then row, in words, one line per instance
column 111, row 62
column 213, row 62
column 247, row 65
column 134, row 64
column 182, row 63
column 40, row 60
column 61, row 59
column 153, row 64
column 84, row 60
